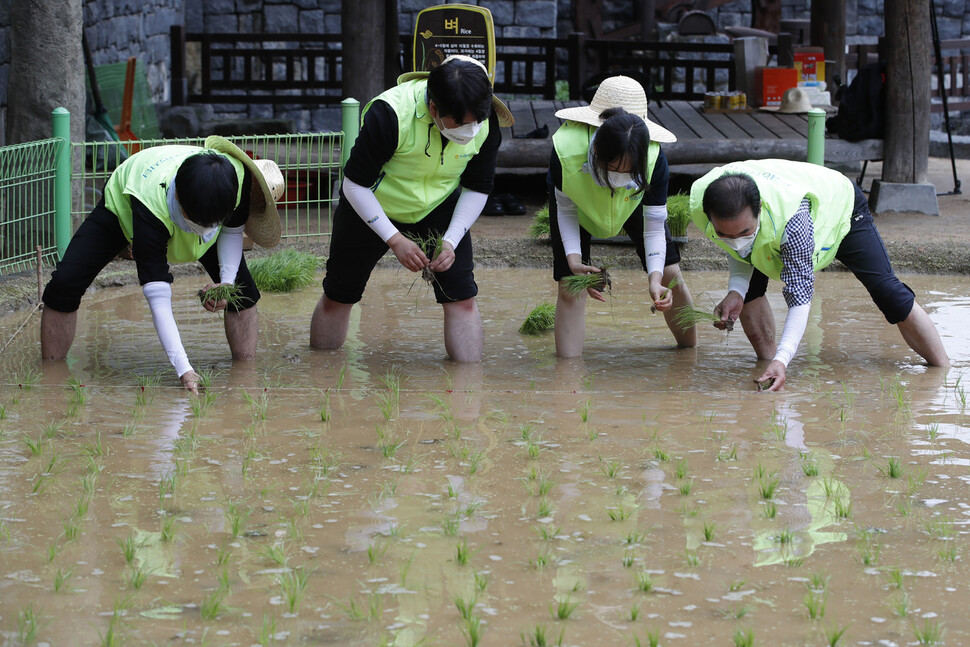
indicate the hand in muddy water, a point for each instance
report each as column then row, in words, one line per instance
column 191, row 381
column 408, row 252
column 728, row 310
column 773, row 379
column 663, row 298
column 444, row 259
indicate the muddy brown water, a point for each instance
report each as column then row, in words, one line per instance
column 633, row 482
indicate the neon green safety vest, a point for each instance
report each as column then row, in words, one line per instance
column 421, row 173
column 602, row 211
column 783, row 185
column 145, row 176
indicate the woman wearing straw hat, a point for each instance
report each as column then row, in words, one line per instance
column 606, row 174
column 421, row 168
column 172, row 204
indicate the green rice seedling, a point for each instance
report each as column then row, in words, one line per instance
column 931, row 633
column 900, row 604
column 223, row 555
column 293, row 585
column 28, row 625
column 283, row 271
column 831, row 487
column 128, row 548
column 213, row 605
column 661, row 455
column 200, row 406
column 818, row 581
column 60, row 579
column 135, row 578
column 325, row 411
column 72, row 528
column 785, row 536
column 868, row 547
column 736, row 586
column 236, row 518
column 540, row 319
column 472, row 631
column 628, row 560
column 228, row 292
column 267, row 632
column 205, row 378
column 767, row 487
column 777, row 426
column 584, row 411
column 53, row 550
column 688, row 316
column 792, row 559
column 680, row 471
column 277, row 554
column 686, row 487
column 110, row 637
column 539, row 228
column 809, row 465
column 678, row 214
column 914, row 481
column 633, row 538
column 465, row 607
column 948, row 553
column 475, row 461
column 480, row 582
column 450, row 526
column 834, row 634
column 257, row 405
column 727, row 455
column 815, row 602
column 653, row 639
column 893, row 469
column 760, row 471
column 897, row 391
column 610, row 468
column 619, row 513
column 462, row 553
column 540, row 561
column 95, row 448
column 644, row 582
column 894, row 577
column 539, row 637
column 709, row 529
column 34, row 447
column 691, row 558
column 533, row 449
column 375, row 551
column 634, row 612
column 27, row 378
column 843, row 508
column 389, row 448
column 563, row 608
column 576, row 284
column 546, row 533
column 743, row 637
column 169, row 529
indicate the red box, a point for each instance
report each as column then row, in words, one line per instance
column 773, row 82
column 810, row 63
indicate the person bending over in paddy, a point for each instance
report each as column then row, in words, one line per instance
column 607, row 173
column 172, row 204
column 787, row 220
column 420, row 170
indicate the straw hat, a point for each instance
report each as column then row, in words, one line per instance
column 795, row 101
column 618, row 92
column 263, row 225
column 505, row 118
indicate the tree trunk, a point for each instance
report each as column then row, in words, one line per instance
column 46, row 68
column 362, row 24
column 907, row 91
column 392, row 44
column 828, row 32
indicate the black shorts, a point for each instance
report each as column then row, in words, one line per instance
column 355, row 250
column 633, row 228
column 96, row 243
column 863, row 252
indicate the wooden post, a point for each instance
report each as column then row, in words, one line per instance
column 828, row 32
column 392, row 44
column 179, row 80
column 577, row 64
column 903, row 186
column 362, row 27
column 648, row 20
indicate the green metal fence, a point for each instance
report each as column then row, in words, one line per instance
column 27, row 204
column 310, row 163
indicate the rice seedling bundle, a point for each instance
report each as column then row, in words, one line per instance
column 540, row 223
column 228, row 292
column 688, row 316
column 678, row 214
column 541, row 319
column 284, row 271
column 579, row 283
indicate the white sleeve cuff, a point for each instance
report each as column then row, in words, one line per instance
column 568, row 219
column 229, row 247
column 654, row 238
column 365, row 203
column 469, row 207
column 791, row 335
column 740, row 276
column 159, row 296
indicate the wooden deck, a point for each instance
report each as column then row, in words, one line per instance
column 702, row 138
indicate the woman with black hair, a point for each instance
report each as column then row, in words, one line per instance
column 172, row 204
column 607, row 174
column 422, row 167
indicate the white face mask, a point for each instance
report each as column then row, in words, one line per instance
column 461, row 135
column 743, row 244
column 620, row 180
column 183, row 223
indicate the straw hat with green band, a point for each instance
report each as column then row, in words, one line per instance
column 263, row 225
column 505, row 118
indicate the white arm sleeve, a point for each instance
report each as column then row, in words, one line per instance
column 229, row 247
column 740, row 277
column 365, row 203
column 159, row 295
column 469, row 207
column 792, row 333
column 654, row 239
column 568, row 219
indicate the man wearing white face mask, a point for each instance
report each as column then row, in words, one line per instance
column 607, row 173
column 172, row 204
column 787, row 220
column 422, row 166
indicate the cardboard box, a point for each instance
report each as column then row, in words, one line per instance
column 773, row 82
column 810, row 63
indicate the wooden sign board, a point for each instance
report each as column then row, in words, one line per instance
column 450, row 29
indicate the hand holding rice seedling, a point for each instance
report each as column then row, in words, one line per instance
column 219, row 296
column 576, row 284
column 688, row 316
column 674, row 282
